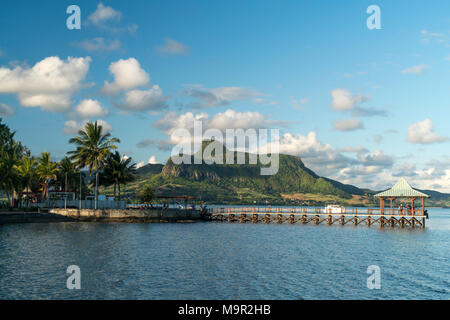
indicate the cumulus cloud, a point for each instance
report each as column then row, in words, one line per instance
column 6, row 111
column 222, row 96
column 143, row 100
column 90, row 108
column 72, row 127
column 104, row 14
column 343, row 100
column 405, row 170
column 378, row 159
column 422, row 132
column 49, row 84
column 173, row 47
column 320, row 157
column 127, row 74
column 108, row 18
column 230, row 119
column 152, row 160
column 140, row 164
column 416, row 70
column 348, row 125
column 99, row 44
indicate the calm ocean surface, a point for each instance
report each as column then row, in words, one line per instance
column 224, row 261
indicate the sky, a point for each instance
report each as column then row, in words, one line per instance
column 363, row 106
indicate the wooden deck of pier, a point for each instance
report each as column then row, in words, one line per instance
column 413, row 218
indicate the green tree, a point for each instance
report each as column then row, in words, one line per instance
column 9, row 177
column 27, row 170
column 92, row 148
column 146, row 194
column 68, row 176
column 48, row 172
column 117, row 170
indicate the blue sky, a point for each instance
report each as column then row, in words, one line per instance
column 362, row 106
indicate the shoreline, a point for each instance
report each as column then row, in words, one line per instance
column 103, row 215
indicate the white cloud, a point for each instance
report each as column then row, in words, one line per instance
column 90, row 108
column 72, row 127
column 140, row 164
column 416, row 70
column 107, row 18
column 99, row 44
column 104, row 14
column 422, row 132
column 49, row 84
column 231, row 119
column 222, row 96
column 348, row 125
column 320, row 157
column 128, row 74
column 142, row 100
column 6, row 111
column 152, row 160
column 173, row 47
column 343, row 100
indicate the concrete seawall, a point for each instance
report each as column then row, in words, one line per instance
column 148, row 215
column 31, row 217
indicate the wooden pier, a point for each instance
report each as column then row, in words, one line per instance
column 368, row 217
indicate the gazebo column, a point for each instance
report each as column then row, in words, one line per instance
column 423, row 205
column 392, row 205
column 412, row 205
column 381, row 205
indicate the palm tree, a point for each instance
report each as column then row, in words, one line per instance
column 9, row 177
column 47, row 171
column 26, row 169
column 68, row 173
column 117, row 170
column 93, row 146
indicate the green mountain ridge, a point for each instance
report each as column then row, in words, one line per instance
column 294, row 184
column 241, row 183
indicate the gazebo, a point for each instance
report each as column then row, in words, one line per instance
column 401, row 189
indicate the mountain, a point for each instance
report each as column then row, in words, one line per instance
column 294, row 183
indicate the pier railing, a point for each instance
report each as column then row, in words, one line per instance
column 316, row 210
column 404, row 218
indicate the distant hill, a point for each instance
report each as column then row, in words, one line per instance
column 232, row 183
column 294, row 184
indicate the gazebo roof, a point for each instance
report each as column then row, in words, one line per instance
column 401, row 189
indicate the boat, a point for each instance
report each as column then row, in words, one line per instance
column 334, row 208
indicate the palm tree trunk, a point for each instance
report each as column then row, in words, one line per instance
column 96, row 189
column 119, row 190
column 114, row 190
column 7, row 197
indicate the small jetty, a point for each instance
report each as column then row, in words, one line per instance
column 408, row 216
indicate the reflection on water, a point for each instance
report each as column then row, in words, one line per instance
column 224, row 261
